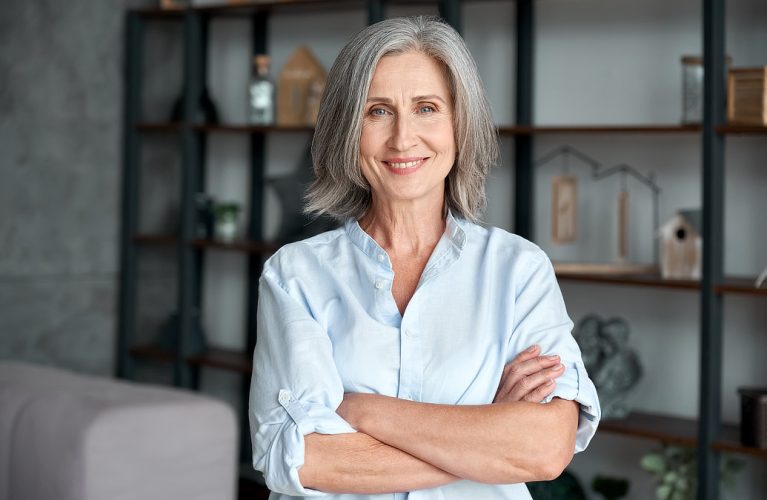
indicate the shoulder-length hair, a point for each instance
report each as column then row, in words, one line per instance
column 340, row 190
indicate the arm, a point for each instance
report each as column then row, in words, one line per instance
column 358, row 463
column 332, row 460
column 496, row 443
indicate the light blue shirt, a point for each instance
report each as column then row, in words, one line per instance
column 328, row 324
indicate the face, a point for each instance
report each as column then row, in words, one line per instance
column 407, row 146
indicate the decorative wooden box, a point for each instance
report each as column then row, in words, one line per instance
column 747, row 96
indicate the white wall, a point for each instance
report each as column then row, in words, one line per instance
column 597, row 62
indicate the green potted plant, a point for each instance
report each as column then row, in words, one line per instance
column 226, row 220
column 675, row 469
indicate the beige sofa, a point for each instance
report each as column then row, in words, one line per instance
column 65, row 436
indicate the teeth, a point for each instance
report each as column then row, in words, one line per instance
column 409, row 164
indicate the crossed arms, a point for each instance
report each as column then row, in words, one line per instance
column 404, row 445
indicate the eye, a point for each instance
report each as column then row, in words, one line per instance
column 377, row 112
column 426, row 108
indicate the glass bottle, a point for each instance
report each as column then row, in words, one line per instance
column 260, row 93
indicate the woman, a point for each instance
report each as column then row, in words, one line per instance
column 393, row 353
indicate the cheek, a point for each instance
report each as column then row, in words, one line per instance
column 371, row 139
column 443, row 137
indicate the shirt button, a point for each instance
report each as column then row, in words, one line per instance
column 381, row 257
column 409, row 333
column 379, row 285
column 284, row 397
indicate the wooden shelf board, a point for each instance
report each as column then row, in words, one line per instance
column 249, row 129
column 238, row 246
column 678, row 431
column 731, row 284
column 224, row 359
column 730, row 443
column 245, row 7
column 648, row 280
column 740, row 285
column 155, row 239
column 741, row 129
column 159, row 127
column 152, row 352
column 666, row 429
column 598, row 129
column 159, row 13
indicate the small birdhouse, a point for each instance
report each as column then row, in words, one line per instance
column 302, row 81
column 682, row 245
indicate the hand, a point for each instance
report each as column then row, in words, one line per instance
column 529, row 377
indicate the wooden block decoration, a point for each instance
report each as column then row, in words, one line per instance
column 173, row 4
column 564, row 209
column 301, row 83
column 747, row 96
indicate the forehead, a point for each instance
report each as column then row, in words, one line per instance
column 410, row 71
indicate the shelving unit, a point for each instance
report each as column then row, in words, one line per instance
column 706, row 433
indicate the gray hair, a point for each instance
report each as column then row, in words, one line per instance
column 340, row 190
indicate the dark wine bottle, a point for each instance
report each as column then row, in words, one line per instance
column 205, row 110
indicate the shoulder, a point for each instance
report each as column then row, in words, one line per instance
column 298, row 257
column 503, row 246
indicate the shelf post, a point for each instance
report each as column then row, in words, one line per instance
column 126, row 328
column 255, row 233
column 450, row 11
column 523, row 144
column 713, row 247
column 191, row 152
column 376, row 11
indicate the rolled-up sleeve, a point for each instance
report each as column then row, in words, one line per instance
column 540, row 317
column 295, row 388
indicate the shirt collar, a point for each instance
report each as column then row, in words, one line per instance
column 454, row 232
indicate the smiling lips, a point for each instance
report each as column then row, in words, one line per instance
column 404, row 166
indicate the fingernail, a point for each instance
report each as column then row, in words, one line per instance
column 532, row 348
column 552, row 358
column 558, row 367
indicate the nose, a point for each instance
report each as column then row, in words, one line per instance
column 402, row 136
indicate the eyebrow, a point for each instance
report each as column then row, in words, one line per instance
column 430, row 97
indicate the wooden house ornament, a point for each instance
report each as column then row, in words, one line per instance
column 682, row 245
column 301, row 83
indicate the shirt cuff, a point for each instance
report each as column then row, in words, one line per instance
column 575, row 385
column 286, row 453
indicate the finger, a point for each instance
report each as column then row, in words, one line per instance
column 514, row 372
column 528, row 353
column 531, row 383
column 541, row 392
column 517, row 371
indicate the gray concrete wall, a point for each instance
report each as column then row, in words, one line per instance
column 60, row 137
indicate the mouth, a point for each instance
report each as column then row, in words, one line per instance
column 404, row 166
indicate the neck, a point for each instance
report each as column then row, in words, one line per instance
column 405, row 228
